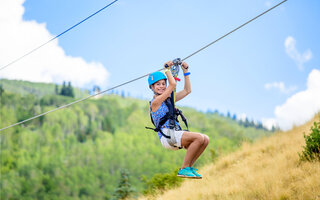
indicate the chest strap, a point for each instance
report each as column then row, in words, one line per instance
column 171, row 115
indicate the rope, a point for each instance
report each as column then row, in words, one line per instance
column 72, row 103
column 233, row 30
column 83, row 99
column 30, row 52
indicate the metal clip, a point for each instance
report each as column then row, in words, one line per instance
column 175, row 68
column 177, row 61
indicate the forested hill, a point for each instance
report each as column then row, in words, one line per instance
column 37, row 89
column 78, row 152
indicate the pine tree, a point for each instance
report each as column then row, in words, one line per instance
column 70, row 90
column 67, row 90
column 123, row 94
column 1, row 90
column 57, row 89
column 246, row 122
column 234, row 117
column 63, row 89
column 228, row 115
column 124, row 189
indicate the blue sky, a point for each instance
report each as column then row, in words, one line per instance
column 252, row 72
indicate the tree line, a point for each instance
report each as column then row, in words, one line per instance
column 94, row 149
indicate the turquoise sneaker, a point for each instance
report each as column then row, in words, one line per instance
column 186, row 173
column 194, row 171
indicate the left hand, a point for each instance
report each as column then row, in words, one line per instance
column 184, row 67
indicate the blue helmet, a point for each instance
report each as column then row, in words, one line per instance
column 154, row 77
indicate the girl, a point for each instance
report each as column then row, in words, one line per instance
column 194, row 143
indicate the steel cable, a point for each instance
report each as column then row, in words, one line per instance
column 72, row 27
column 133, row 80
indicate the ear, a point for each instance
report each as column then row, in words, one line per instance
column 152, row 87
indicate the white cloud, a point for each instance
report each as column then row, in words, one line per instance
column 301, row 106
column 269, row 123
column 280, row 86
column 299, row 59
column 48, row 64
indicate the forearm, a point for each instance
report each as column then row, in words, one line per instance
column 171, row 80
column 187, row 84
column 186, row 73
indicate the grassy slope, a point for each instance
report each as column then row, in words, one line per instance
column 267, row 169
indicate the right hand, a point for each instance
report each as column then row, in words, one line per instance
column 169, row 64
column 184, row 67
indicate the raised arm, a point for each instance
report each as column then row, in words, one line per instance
column 172, row 84
column 187, row 85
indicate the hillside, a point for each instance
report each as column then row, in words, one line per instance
column 78, row 152
column 268, row 169
column 38, row 89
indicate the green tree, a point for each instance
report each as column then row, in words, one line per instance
column 312, row 149
column 229, row 114
column 70, row 92
column 1, row 90
column 67, row 90
column 63, row 90
column 124, row 189
column 56, row 89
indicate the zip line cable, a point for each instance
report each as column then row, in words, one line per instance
column 69, row 29
column 234, row 30
column 67, row 105
column 133, row 80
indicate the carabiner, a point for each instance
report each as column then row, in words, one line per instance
column 175, row 68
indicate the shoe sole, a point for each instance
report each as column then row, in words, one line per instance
column 191, row 177
column 199, row 177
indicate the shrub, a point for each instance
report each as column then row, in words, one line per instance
column 312, row 149
column 162, row 182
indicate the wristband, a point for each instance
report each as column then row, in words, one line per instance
column 166, row 70
column 186, row 74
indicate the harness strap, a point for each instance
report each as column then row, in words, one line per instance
column 179, row 112
column 170, row 117
column 172, row 114
column 161, row 123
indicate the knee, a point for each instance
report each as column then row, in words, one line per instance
column 205, row 140
column 200, row 138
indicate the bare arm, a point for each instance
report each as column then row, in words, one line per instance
column 155, row 105
column 187, row 85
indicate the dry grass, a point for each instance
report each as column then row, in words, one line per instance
column 267, row 169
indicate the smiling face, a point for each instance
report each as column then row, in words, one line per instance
column 159, row 87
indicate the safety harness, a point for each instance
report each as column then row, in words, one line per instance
column 173, row 113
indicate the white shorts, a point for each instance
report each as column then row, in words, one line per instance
column 178, row 136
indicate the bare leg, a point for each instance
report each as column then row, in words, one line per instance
column 202, row 148
column 193, row 142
